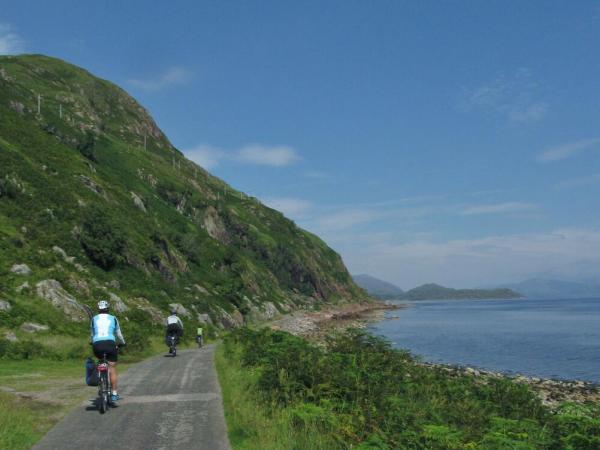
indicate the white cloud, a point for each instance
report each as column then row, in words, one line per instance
column 10, row 42
column 276, row 156
column 515, row 97
column 588, row 180
column 172, row 76
column 568, row 150
column 205, row 156
column 209, row 156
column 498, row 208
column 291, row 207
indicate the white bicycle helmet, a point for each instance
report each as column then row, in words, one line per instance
column 103, row 304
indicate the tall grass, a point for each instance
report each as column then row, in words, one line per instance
column 254, row 425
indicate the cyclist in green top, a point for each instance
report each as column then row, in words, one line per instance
column 199, row 336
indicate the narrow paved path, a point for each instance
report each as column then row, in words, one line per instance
column 166, row 403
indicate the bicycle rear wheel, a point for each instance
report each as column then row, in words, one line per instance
column 104, row 393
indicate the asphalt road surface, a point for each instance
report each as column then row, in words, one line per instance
column 166, row 403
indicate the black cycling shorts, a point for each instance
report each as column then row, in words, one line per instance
column 108, row 347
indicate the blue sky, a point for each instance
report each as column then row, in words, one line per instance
column 449, row 142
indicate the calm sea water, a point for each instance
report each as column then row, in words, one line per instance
column 543, row 338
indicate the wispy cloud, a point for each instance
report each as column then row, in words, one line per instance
column 291, row 207
column 210, row 157
column 346, row 219
column 516, row 97
column 568, row 150
column 172, row 76
column 498, row 208
column 587, row 180
column 263, row 155
column 206, row 156
column 10, row 42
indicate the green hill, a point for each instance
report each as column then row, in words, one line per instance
column 434, row 291
column 96, row 202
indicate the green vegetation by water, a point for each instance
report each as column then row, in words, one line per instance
column 360, row 393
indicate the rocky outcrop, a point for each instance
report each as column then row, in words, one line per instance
column 53, row 292
column 181, row 310
column 10, row 336
column 267, row 311
column 4, row 305
column 138, row 202
column 214, row 226
column 231, row 320
column 143, row 304
column 59, row 251
column 204, row 319
column 21, row 269
column 31, row 327
column 117, row 304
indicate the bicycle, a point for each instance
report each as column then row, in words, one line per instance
column 104, row 387
column 173, row 345
column 199, row 340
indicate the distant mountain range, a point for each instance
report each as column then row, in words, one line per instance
column 384, row 290
column 376, row 287
column 540, row 288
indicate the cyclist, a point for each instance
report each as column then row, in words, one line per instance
column 174, row 328
column 199, row 336
column 105, row 327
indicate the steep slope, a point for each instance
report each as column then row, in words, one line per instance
column 95, row 201
column 376, row 287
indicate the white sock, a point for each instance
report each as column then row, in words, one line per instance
column 114, row 393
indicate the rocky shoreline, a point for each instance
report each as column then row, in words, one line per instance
column 315, row 325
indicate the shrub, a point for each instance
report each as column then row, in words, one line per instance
column 102, row 240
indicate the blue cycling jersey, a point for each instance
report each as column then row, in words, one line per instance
column 105, row 327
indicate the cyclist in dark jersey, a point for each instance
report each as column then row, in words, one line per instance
column 105, row 330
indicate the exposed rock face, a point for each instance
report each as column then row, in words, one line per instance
column 92, row 185
column 52, row 291
column 201, row 289
column 80, row 286
column 10, row 336
column 59, row 251
column 4, row 305
column 117, row 304
column 267, row 312
column 31, row 327
column 138, row 202
column 204, row 319
column 21, row 269
column 156, row 314
column 181, row 310
column 230, row 320
column 214, row 226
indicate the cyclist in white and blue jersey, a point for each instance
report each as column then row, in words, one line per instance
column 105, row 331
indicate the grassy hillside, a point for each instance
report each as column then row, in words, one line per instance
column 96, row 202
